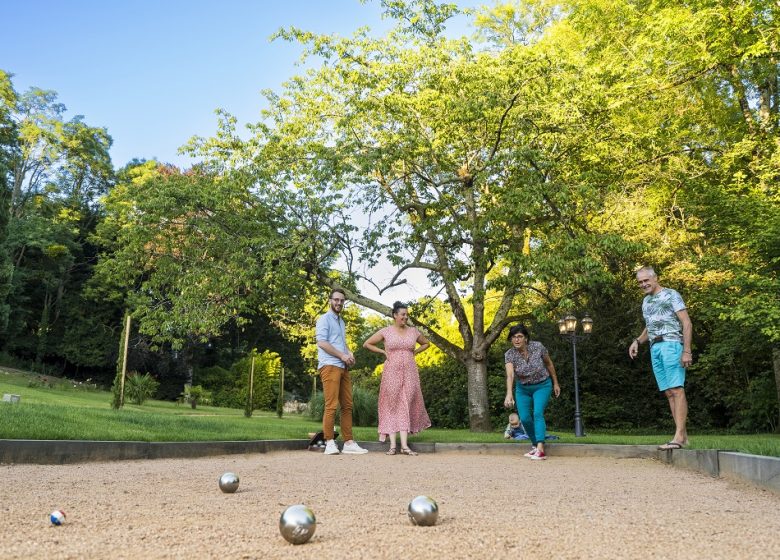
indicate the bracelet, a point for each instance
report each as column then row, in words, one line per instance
column 637, row 342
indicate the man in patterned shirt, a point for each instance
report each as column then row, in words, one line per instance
column 668, row 329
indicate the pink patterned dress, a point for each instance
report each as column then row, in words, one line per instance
column 401, row 406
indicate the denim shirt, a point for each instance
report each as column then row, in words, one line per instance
column 331, row 328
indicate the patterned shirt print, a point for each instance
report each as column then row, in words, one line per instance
column 532, row 370
column 660, row 312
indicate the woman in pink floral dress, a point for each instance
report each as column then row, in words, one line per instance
column 401, row 406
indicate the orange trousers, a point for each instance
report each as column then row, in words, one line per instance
column 337, row 389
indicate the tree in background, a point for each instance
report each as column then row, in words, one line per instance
column 527, row 170
column 8, row 147
column 472, row 164
column 54, row 171
column 704, row 209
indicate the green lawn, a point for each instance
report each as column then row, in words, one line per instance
column 59, row 410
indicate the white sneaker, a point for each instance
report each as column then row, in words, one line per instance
column 352, row 448
column 331, row 448
column 531, row 453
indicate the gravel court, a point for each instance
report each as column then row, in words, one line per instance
column 497, row 506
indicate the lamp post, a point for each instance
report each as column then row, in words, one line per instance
column 567, row 328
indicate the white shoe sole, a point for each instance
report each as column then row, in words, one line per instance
column 361, row 452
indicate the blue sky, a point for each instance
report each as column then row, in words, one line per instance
column 153, row 71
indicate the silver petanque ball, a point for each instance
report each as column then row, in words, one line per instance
column 423, row 511
column 297, row 524
column 228, row 482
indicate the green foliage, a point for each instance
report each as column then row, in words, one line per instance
column 52, row 171
column 196, row 251
column 444, row 392
column 140, row 387
column 267, row 367
column 527, row 171
column 459, row 149
column 366, row 378
column 117, row 398
column 364, row 408
column 735, row 381
column 316, row 407
column 58, row 414
column 222, row 384
column 195, row 395
column 281, row 395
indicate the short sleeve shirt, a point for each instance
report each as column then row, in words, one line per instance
column 660, row 312
column 331, row 328
column 532, row 370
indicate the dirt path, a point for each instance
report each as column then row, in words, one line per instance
column 490, row 507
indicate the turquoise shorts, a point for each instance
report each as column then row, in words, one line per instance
column 665, row 357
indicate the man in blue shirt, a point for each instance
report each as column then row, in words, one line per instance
column 334, row 361
column 668, row 329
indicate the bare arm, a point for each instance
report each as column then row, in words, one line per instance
column 685, row 320
column 633, row 350
column 424, row 344
column 551, row 369
column 509, row 400
column 371, row 343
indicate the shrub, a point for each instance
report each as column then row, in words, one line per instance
column 316, row 407
column 196, row 395
column 223, row 385
column 266, row 380
column 366, row 378
column 139, row 388
column 444, row 388
column 364, row 407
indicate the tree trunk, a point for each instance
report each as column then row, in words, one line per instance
column 776, row 364
column 479, row 410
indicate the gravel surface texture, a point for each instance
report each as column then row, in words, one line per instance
column 490, row 506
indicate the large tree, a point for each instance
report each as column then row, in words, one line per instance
column 520, row 171
column 707, row 212
column 480, row 164
column 53, row 172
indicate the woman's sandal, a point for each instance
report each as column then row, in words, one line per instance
column 391, row 451
column 407, row 451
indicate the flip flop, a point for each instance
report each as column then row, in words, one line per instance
column 670, row 445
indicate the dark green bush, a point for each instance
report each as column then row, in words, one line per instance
column 223, row 385
column 446, row 394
